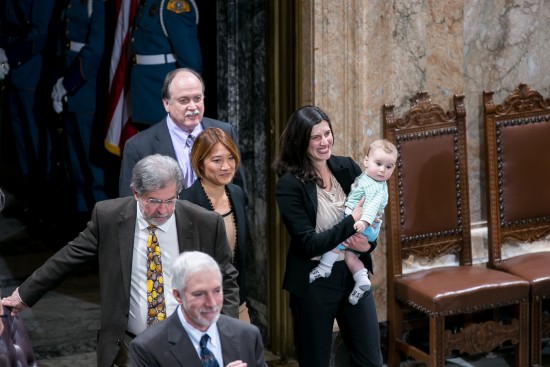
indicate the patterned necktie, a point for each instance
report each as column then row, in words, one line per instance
column 189, row 141
column 189, row 174
column 207, row 357
column 155, row 281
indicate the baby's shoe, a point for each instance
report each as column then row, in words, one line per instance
column 317, row 273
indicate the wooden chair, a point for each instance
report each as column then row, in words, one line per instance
column 428, row 216
column 517, row 142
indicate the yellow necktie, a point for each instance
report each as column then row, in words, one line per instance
column 156, row 309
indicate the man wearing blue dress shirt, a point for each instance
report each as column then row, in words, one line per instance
column 183, row 100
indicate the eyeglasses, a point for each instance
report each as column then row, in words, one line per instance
column 184, row 101
column 158, row 202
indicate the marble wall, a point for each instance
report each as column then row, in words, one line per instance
column 369, row 53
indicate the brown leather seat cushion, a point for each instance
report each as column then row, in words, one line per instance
column 532, row 267
column 460, row 289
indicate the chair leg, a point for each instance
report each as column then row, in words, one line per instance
column 393, row 354
column 437, row 341
column 522, row 346
column 535, row 338
column 395, row 331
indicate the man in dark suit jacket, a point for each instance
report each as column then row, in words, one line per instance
column 183, row 98
column 115, row 235
column 177, row 340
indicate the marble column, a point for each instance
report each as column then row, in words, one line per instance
column 242, row 102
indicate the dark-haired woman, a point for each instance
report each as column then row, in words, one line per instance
column 310, row 193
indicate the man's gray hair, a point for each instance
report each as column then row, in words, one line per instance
column 156, row 172
column 188, row 264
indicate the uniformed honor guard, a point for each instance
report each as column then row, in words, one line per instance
column 164, row 38
column 23, row 36
column 74, row 94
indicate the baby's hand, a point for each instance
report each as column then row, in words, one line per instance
column 359, row 226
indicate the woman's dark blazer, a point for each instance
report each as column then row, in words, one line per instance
column 196, row 195
column 297, row 203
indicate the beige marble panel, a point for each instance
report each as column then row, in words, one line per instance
column 505, row 43
column 444, row 48
column 334, row 53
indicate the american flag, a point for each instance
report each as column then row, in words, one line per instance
column 119, row 126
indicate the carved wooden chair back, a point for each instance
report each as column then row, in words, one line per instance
column 428, row 218
column 517, row 142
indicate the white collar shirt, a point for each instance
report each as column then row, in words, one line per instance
column 168, row 241
column 214, row 343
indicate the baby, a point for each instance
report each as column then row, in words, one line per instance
column 371, row 184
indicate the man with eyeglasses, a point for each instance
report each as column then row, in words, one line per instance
column 119, row 235
column 183, row 99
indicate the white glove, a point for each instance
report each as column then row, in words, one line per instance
column 57, row 106
column 58, row 94
column 4, row 65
